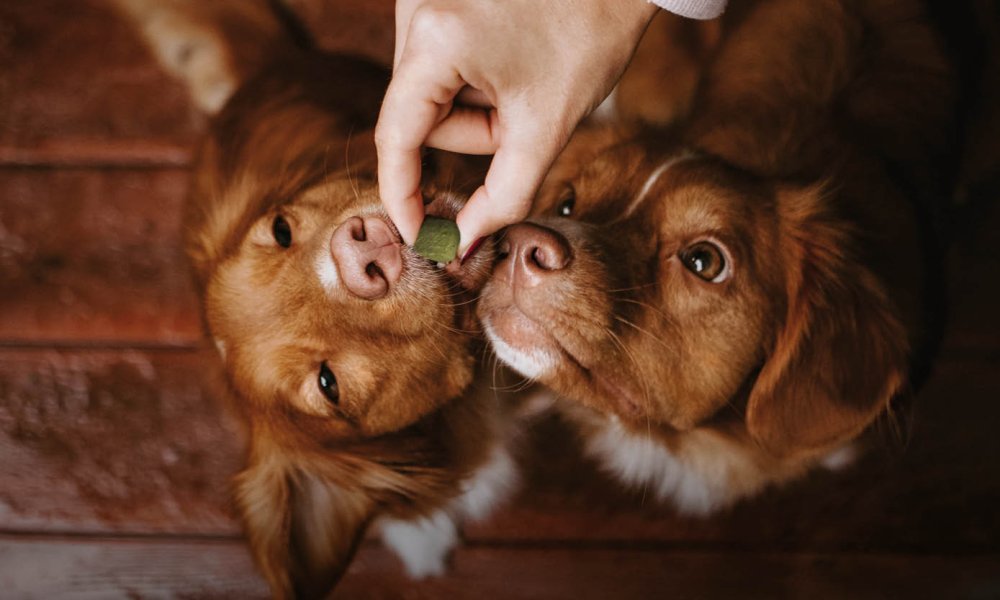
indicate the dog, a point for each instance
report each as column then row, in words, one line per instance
column 726, row 287
column 352, row 359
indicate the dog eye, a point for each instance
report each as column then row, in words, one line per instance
column 328, row 384
column 281, row 231
column 566, row 202
column 705, row 260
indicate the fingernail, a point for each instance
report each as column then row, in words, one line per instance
column 472, row 249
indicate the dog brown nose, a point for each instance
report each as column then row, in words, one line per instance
column 534, row 252
column 368, row 256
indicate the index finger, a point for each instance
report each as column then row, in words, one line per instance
column 418, row 97
column 508, row 193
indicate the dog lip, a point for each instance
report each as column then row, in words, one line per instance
column 618, row 394
column 610, row 388
column 444, row 207
column 555, row 344
column 539, row 333
column 470, row 274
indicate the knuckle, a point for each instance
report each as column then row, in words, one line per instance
column 435, row 27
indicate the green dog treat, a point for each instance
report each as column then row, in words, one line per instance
column 437, row 240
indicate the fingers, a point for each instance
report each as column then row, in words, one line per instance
column 509, row 190
column 466, row 130
column 419, row 96
column 404, row 15
column 470, row 96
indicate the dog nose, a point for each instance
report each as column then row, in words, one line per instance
column 368, row 256
column 534, row 252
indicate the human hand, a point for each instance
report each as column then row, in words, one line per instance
column 510, row 78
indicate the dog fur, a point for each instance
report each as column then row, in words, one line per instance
column 283, row 206
column 790, row 169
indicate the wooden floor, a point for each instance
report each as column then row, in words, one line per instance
column 114, row 458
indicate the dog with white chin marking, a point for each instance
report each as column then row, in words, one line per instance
column 731, row 292
column 352, row 360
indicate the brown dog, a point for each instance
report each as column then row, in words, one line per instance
column 726, row 304
column 351, row 357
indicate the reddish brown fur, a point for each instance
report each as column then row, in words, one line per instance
column 796, row 116
column 408, row 431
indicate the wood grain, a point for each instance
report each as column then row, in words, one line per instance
column 94, row 255
column 79, row 87
column 105, row 568
column 114, row 441
column 119, row 568
column 74, row 75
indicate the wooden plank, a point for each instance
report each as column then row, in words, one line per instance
column 39, row 567
column 601, row 573
column 76, row 152
column 133, row 441
column 116, row 568
column 78, row 86
column 115, row 441
column 91, row 255
column 75, row 74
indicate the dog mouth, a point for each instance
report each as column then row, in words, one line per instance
column 538, row 352
column 471, row 271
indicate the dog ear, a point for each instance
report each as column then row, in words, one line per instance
column 841, row 352
column 303, row 521
column 212, row 46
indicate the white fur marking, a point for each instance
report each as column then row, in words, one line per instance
column 491, row 484
column 326, row 270
column 532, row 364
column 423, row 544
column 708, row 473
column 221, row 347
column 653, row 178
column 537, row 403
column 840, row 459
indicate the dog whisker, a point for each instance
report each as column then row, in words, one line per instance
column 642, row 330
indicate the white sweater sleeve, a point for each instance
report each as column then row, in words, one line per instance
column 693, row 9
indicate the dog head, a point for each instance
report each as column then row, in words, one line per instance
column 665, row 287
column 312, row 298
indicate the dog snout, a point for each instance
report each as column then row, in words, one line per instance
column 368, row 256
column 534, row 253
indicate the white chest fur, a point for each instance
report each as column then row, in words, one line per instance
column 706, row 470
column 423, row 544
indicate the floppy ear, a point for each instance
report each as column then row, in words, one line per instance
column 212, row 47
column 841, row 352
column 303, row 524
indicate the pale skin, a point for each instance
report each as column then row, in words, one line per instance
column 511, row 78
